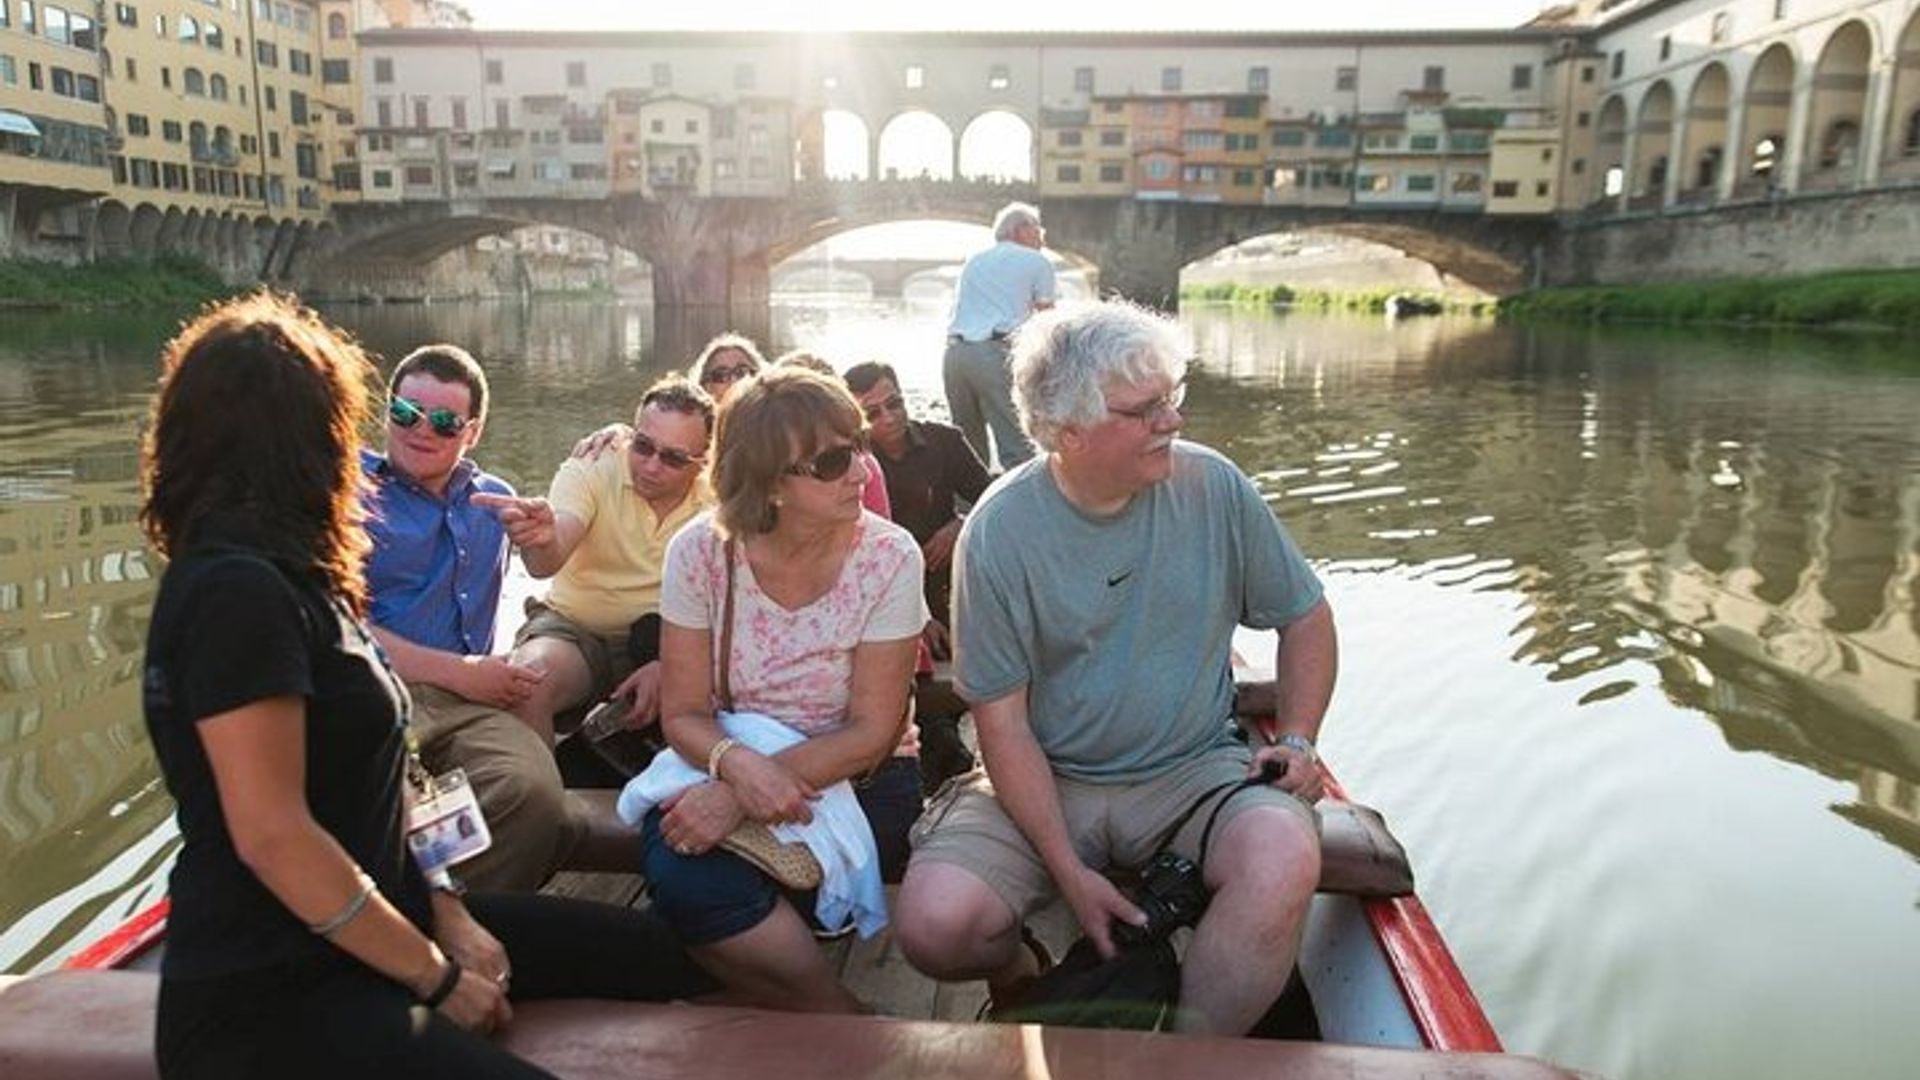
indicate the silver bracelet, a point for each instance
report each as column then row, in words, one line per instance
column 347, row 914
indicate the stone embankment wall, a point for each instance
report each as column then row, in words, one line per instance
column 1803, row 234
column 465, row 274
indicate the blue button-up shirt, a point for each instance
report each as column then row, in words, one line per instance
column 438, row 562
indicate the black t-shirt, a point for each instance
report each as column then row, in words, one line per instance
column 231, row 627
column 923, row 484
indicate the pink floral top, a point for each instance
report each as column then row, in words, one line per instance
column 797, row 666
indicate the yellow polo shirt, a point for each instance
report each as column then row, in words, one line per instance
column 613, row 576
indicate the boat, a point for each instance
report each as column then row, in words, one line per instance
column 1384, row 998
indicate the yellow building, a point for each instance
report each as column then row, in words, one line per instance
column 55, row 129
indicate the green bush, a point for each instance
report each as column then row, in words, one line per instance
column 166, row 281
column 1886, row 298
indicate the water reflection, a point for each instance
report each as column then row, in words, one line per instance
column 1728, row 509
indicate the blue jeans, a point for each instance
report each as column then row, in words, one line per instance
column 717, row 895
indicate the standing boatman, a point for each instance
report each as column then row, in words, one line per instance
column 999, row 288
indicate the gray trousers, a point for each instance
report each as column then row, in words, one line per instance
column 979, row 386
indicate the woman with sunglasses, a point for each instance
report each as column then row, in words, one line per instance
column 723, row 363
column 303, row 939
column 825, row 610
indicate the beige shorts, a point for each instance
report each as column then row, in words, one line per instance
column 1112, row 825
column 605, row 654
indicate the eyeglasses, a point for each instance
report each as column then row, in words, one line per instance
column 726, row 374
column 830, row 464
column 1147, row 411
column 670, row 457
column 891, row 403
column 406, row 412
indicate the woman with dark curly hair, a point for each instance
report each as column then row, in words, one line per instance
column 303, row 938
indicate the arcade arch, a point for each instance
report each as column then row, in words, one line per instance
column 997, row 145
column 1768, row 108
column 1610, row 148
column 916, row 145
column 1836, row 113
column 1903, row 114
column 1653, row 144
column 1703, row 158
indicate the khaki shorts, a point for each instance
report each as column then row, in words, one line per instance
column 1112, row 825
column 605, row 654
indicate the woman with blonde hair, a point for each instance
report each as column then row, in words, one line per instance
column 789, row 601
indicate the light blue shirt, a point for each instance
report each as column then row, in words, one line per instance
column 998, row 289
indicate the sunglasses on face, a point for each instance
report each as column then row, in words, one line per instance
column 891, row 403
column 733, row 373
column 406, row 412
column 670, row 457
column 829, row 464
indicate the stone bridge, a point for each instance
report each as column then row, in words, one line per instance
column 720, row 251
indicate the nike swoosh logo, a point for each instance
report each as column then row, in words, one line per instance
column 1118, row 578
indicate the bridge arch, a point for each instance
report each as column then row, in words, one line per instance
column 998, row 145
column 1836, row 114
column 1768, row 109
column 1702, row 160
column 915, row 144
column 832, row 144
column 1903, row 116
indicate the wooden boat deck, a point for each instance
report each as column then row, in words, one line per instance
column 873, row 969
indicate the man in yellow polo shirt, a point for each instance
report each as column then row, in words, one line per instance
column 601, row 534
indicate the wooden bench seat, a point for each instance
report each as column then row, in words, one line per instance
column 98, row 1025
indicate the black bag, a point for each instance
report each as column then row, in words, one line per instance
column 1139, row 988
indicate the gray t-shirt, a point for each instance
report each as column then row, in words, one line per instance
column 1121, row 628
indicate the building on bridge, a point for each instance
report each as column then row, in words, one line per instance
column 171, row 126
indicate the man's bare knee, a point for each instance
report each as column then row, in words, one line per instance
column 1267, row 849
column 949, row 923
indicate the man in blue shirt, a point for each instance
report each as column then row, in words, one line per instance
column 998, row 289
column 435, row 575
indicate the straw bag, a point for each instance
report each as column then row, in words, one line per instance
column 791, row 865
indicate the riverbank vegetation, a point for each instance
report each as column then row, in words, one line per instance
column 171, row 281
column 1366, row 300
column 1871, row 298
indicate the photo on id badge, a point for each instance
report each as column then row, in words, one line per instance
column 445, row 825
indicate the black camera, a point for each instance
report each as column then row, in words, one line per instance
column 1172, row 894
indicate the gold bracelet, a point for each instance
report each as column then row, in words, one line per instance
column 719, row 751
column 346, row 914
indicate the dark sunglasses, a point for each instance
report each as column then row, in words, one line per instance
column 406, row 412
column 671, row 458
column 891, row 403
column 830, row 464
column 727, row 374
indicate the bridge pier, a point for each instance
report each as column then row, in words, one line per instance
column 1137, row 245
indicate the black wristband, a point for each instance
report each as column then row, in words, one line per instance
column 449, row 979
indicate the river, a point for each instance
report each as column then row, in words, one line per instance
column 1630, row 637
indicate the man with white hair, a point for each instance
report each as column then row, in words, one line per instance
column 1096, row 591
column 998, row 289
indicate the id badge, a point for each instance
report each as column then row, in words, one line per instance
column 445, row 825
